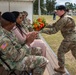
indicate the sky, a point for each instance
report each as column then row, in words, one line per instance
column 62, row 2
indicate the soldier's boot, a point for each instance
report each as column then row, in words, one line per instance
column 60, row 69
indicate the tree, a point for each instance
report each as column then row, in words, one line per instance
column 69, row 5
column 74, row 6
column 50, row 6
column 35, row 6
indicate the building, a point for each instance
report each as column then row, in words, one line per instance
column 17, row 5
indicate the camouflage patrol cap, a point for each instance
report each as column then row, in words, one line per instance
column 61, row 7
column 8, row 16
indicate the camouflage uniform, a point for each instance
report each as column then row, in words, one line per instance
column 27, row 25
column 67, row 27
column 17, row 56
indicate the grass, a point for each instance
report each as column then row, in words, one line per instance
column 54, row 41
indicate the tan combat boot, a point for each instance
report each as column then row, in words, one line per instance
column 60, row 69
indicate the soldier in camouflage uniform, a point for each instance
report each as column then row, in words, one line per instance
column 23, row 36
column 15, row 54
column 66, row 25
column 26, row 22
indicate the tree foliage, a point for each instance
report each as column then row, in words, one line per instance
column 50, row 5
column 70, row 6
column 35, row 6
column 74, row 6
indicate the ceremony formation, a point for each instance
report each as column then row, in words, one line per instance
column 27, row 43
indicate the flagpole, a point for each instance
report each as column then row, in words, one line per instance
column 39, row 10
column 9, row 5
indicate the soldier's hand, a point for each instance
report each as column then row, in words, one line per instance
column 48, row 26
column 46, row 30
column 31, row 36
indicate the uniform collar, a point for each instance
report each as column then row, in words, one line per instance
column 63, row 15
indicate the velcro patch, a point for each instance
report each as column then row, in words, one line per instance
column 4, row 45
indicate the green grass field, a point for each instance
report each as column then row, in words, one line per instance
column 54, row 41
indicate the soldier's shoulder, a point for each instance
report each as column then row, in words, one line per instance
column 68, row 16
column 2, row 37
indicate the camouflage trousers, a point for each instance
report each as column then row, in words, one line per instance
column 32, row 50
column 35, row 63
column 63, row 49
column 35, row 51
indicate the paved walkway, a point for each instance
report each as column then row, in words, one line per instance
column 53, row 62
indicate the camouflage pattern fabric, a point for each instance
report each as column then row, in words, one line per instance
column 17, row 56
column 26, row 25
column 67, row 27
column 63, row 49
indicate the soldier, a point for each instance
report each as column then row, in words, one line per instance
column 66, row 25
column 26, row 22
column 23, row 35
column 54, row 15
column 15, row 54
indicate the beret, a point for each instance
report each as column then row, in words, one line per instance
column 16, row 14
column 8, row 16
column 61, row 7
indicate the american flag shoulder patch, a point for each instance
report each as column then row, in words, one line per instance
column 4, row 45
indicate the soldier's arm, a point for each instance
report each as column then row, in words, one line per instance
column 9, row 51
column 48, row 26
column 54, row 28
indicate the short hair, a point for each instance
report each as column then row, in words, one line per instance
column 25, row 13
column 67, row 10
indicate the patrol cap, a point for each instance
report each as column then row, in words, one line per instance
column 61, row 7
column 9, row 17
column 16, row 14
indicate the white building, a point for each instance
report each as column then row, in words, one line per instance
column 17, row 5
